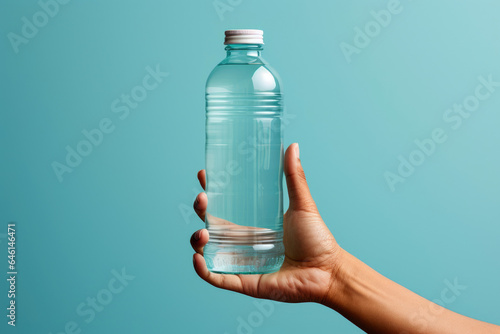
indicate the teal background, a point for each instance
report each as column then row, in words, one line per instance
column 128, row 204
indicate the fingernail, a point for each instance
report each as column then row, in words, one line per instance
column 297, row 151
column 197, row 235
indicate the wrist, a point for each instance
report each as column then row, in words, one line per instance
column 338, row 280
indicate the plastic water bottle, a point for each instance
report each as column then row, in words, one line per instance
column 244, row 160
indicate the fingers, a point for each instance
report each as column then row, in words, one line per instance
column 200, row 205
column 198, row 240
column 230, row 282
column 298, row 190
column 246, row 284
column 202, row 178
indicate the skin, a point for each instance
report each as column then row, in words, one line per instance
column 317, row 269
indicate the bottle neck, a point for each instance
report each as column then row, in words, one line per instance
column 244, row 50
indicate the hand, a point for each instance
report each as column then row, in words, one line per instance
column 312, row 256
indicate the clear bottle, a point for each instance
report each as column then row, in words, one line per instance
column 244, row 160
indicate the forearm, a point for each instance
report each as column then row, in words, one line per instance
column 378, row 305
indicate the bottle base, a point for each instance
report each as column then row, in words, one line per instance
column 258, row 254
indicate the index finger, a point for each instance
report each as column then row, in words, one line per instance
column 202, row 178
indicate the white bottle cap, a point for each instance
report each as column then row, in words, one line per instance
column 244, row 36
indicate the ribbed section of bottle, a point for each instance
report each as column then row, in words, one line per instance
column 244, row 163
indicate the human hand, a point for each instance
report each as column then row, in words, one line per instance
column 312, row 256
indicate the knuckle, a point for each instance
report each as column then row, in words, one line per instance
column 301, row 175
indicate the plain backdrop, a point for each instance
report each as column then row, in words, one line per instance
column 126, row 204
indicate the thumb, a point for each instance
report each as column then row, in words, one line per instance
column 298, row 190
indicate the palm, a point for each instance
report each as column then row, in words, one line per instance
column 306, row 270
